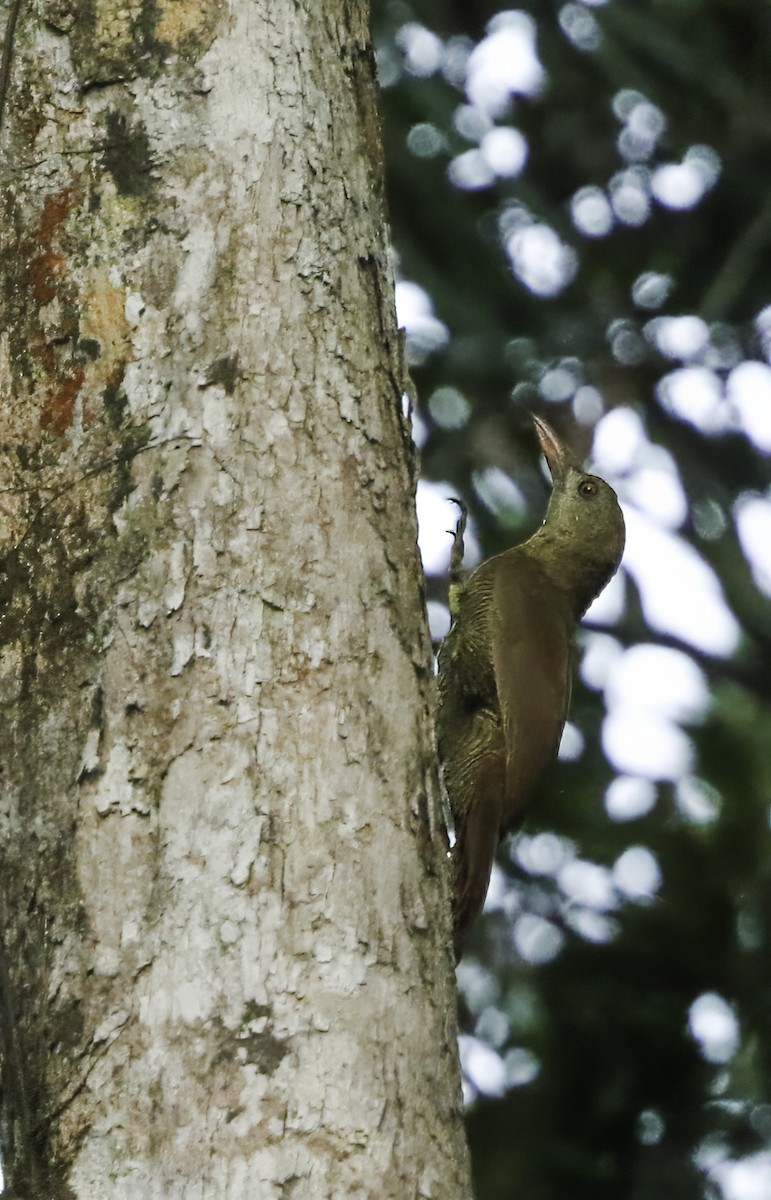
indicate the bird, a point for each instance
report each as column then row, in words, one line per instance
column 504, row 668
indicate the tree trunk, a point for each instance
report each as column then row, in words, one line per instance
column 226, row 965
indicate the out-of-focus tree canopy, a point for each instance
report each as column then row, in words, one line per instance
column 581, row 204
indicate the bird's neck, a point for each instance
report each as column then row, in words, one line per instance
column 580, row 571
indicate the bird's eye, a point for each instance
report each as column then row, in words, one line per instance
column 587, row 487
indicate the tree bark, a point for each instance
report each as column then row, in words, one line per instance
column 225, row 964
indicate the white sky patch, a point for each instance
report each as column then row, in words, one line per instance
column 753, row 524
column 580, row 26
column 658, row 679
column 483, row 1066
column 629, row 797
column 540, row 259
column 712, row 1023
column 636, row 873
column 697, row 801
column 587, row 883
column 619, row 441
column 630, row 196
column 435, row 516
column 504, row 64
column 657, row 491
column 544, row 853
column 679, row 337
column 415, row 312
column 682, row 185
column 422, row 49
column 749, row 391
column 646, row 744
column 651, row 289
column 591, row 212
column 695, row 394
column 608, row 607
column 505, row 151
column 746, row 1179
column 471, row 123
column 521, row 1065
column 536, row 939
column 644, row 125
column 680, row 594
column 471, row 171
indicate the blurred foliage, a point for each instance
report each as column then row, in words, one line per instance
column 626, row 1102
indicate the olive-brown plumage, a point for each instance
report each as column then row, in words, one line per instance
column 504, row 667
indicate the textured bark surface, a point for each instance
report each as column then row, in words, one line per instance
column 226, row 967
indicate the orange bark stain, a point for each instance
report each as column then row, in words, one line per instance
column 42, row 275
column 60, row 403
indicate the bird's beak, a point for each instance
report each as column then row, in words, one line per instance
column 557, row 455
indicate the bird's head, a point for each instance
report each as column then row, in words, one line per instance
column 584, row 526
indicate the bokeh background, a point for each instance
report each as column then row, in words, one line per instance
column 580, row 196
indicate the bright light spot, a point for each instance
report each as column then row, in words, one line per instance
column 500, row 494
column 580, row 26
column 650, row 1127
column 679, row 337
column 591, row 925
column 625, row 101
column 521, row 1067
column 591, row 212
column 650, row 289
column 571, row 743
column 680, row 594
column 749, row 390
column 652, row 678
column 557, row 384
column 498, row 893
column 657, row 491
column 422, row 49
column 492, row 1026
column 747, row 1179
column 601, row 655
column 425, row 140
column 619, row 440
column 536, row 939
column 479, row 986
column 753, row 523
column 505, row 151
column 435, row 517
column 449, row 407
column 629, row 196
column 471, row 171
column 642, row 743
column 483, row 1066
column 608, row 607
column 763, row 326
column 695, row 394
column 636, row 873
column 712, row 1024
column 438, row 620
column 471, row 123
column 645, row 123
column 682, row 185
column 543, row 262
column 587, row 405
column 698, row 801
column 629, row 797
column 504, row 64
column 626, row 343
column 415, row 312
column 542, row 854
column 587, row 883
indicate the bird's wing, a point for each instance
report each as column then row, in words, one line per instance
column 530, row 636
